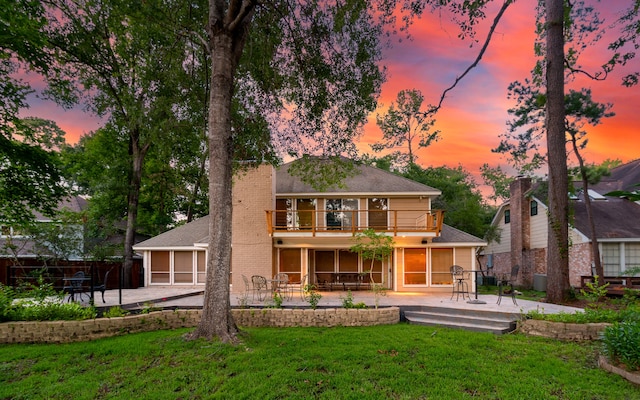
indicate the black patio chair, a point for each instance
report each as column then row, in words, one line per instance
column 460, row 283
column 505, row 285
column 74, row 286
column 103, row 286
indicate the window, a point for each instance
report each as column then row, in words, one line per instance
column 611, row 259
column 202, row 266
column 183, row 267
column 415, row 266
column 534, row 208
column 507, row 216
column 160, row 271
column 631, row 255
column 295, row 213
column 378, row 213
column 441, row 262
column 291, row 264
column 341, row 213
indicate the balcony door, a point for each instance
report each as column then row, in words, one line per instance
column 377, row 212
column 341, row 213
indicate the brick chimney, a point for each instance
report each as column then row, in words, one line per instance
column 520, row 220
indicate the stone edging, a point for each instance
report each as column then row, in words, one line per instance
column 630, row 376
column 562, row 330
column 75, row 331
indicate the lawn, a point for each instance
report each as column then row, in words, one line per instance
column 384, row 362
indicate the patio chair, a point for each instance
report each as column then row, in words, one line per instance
column 508, row 282
column 460, row 284
column 260, row 287
column 73, row 286
column 103, row 286
column 282, row 285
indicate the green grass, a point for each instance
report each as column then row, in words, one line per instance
column 385, row 362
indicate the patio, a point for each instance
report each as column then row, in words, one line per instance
column 190, row 297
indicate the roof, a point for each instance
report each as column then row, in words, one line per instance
column 450, row 234
column 367, row 180
column 613, row 218
column 183, row 236
column 623, row 177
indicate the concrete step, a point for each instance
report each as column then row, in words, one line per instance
column 473, row 320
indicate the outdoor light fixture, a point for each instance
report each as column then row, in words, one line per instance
column 279, row 242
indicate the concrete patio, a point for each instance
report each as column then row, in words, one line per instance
column 190, row 297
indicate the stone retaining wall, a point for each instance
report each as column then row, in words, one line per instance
column 75, row 331
column 561, row 330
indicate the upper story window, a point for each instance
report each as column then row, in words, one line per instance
column 507, row 216
column 377, row 208
column 341, row 213
column 295, row 213
column 534, row 208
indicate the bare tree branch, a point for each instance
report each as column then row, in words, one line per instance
column 496, row 20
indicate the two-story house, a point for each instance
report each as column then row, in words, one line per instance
column 523, row 225
column 281, row 224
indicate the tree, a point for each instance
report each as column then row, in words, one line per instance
column 319, row 75
column 463, row 202
column 30, row 179
column 129, row 65
column 403, row 123
column 497, row 179
column 373, row 246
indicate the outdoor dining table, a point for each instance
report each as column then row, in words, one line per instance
column 75, row 286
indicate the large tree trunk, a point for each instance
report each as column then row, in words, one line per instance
column 558, row 242
column 137, row 154
column 227, row 39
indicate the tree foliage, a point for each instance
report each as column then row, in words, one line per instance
column 403, row 124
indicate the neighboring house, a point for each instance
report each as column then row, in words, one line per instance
column 309, row 233
column 523, row 226
column 16, row 244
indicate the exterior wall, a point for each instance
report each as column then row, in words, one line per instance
column 505, row 236
column 408, row 219
column 253, row 193
column 520, row 224
column 579, row 262
column 539, row 227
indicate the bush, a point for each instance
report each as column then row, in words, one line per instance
column 590, row 315
column 44, row 305
column 621, row 343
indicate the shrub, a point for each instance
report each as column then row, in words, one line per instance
column 590, row 315
column 7, row 295
column 621, row 343
column 115, row 311
column 29, row 310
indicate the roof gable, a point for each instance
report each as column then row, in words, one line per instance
column 183, row 236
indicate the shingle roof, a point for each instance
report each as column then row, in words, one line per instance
column 183, row 236
column 613, row 218
column 623, row 177
column 368, row 180
column 450, row 234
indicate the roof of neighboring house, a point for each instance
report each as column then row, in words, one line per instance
column 623, row 177
column 368, row 179
column 613, row 218
column 183, row 236
column 71, row 203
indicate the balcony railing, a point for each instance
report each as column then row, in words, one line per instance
column 311, row 222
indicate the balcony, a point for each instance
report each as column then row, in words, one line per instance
column 349, row 222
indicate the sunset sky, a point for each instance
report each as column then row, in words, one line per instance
column 475, row 112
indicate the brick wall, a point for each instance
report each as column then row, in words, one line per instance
column 253, row 194
column 76, row 331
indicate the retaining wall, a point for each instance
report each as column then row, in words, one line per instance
column 562, row 330
column 75, row 331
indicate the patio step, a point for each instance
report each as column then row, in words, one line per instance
column 472, row 320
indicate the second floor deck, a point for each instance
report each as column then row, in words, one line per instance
column 348, row 222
